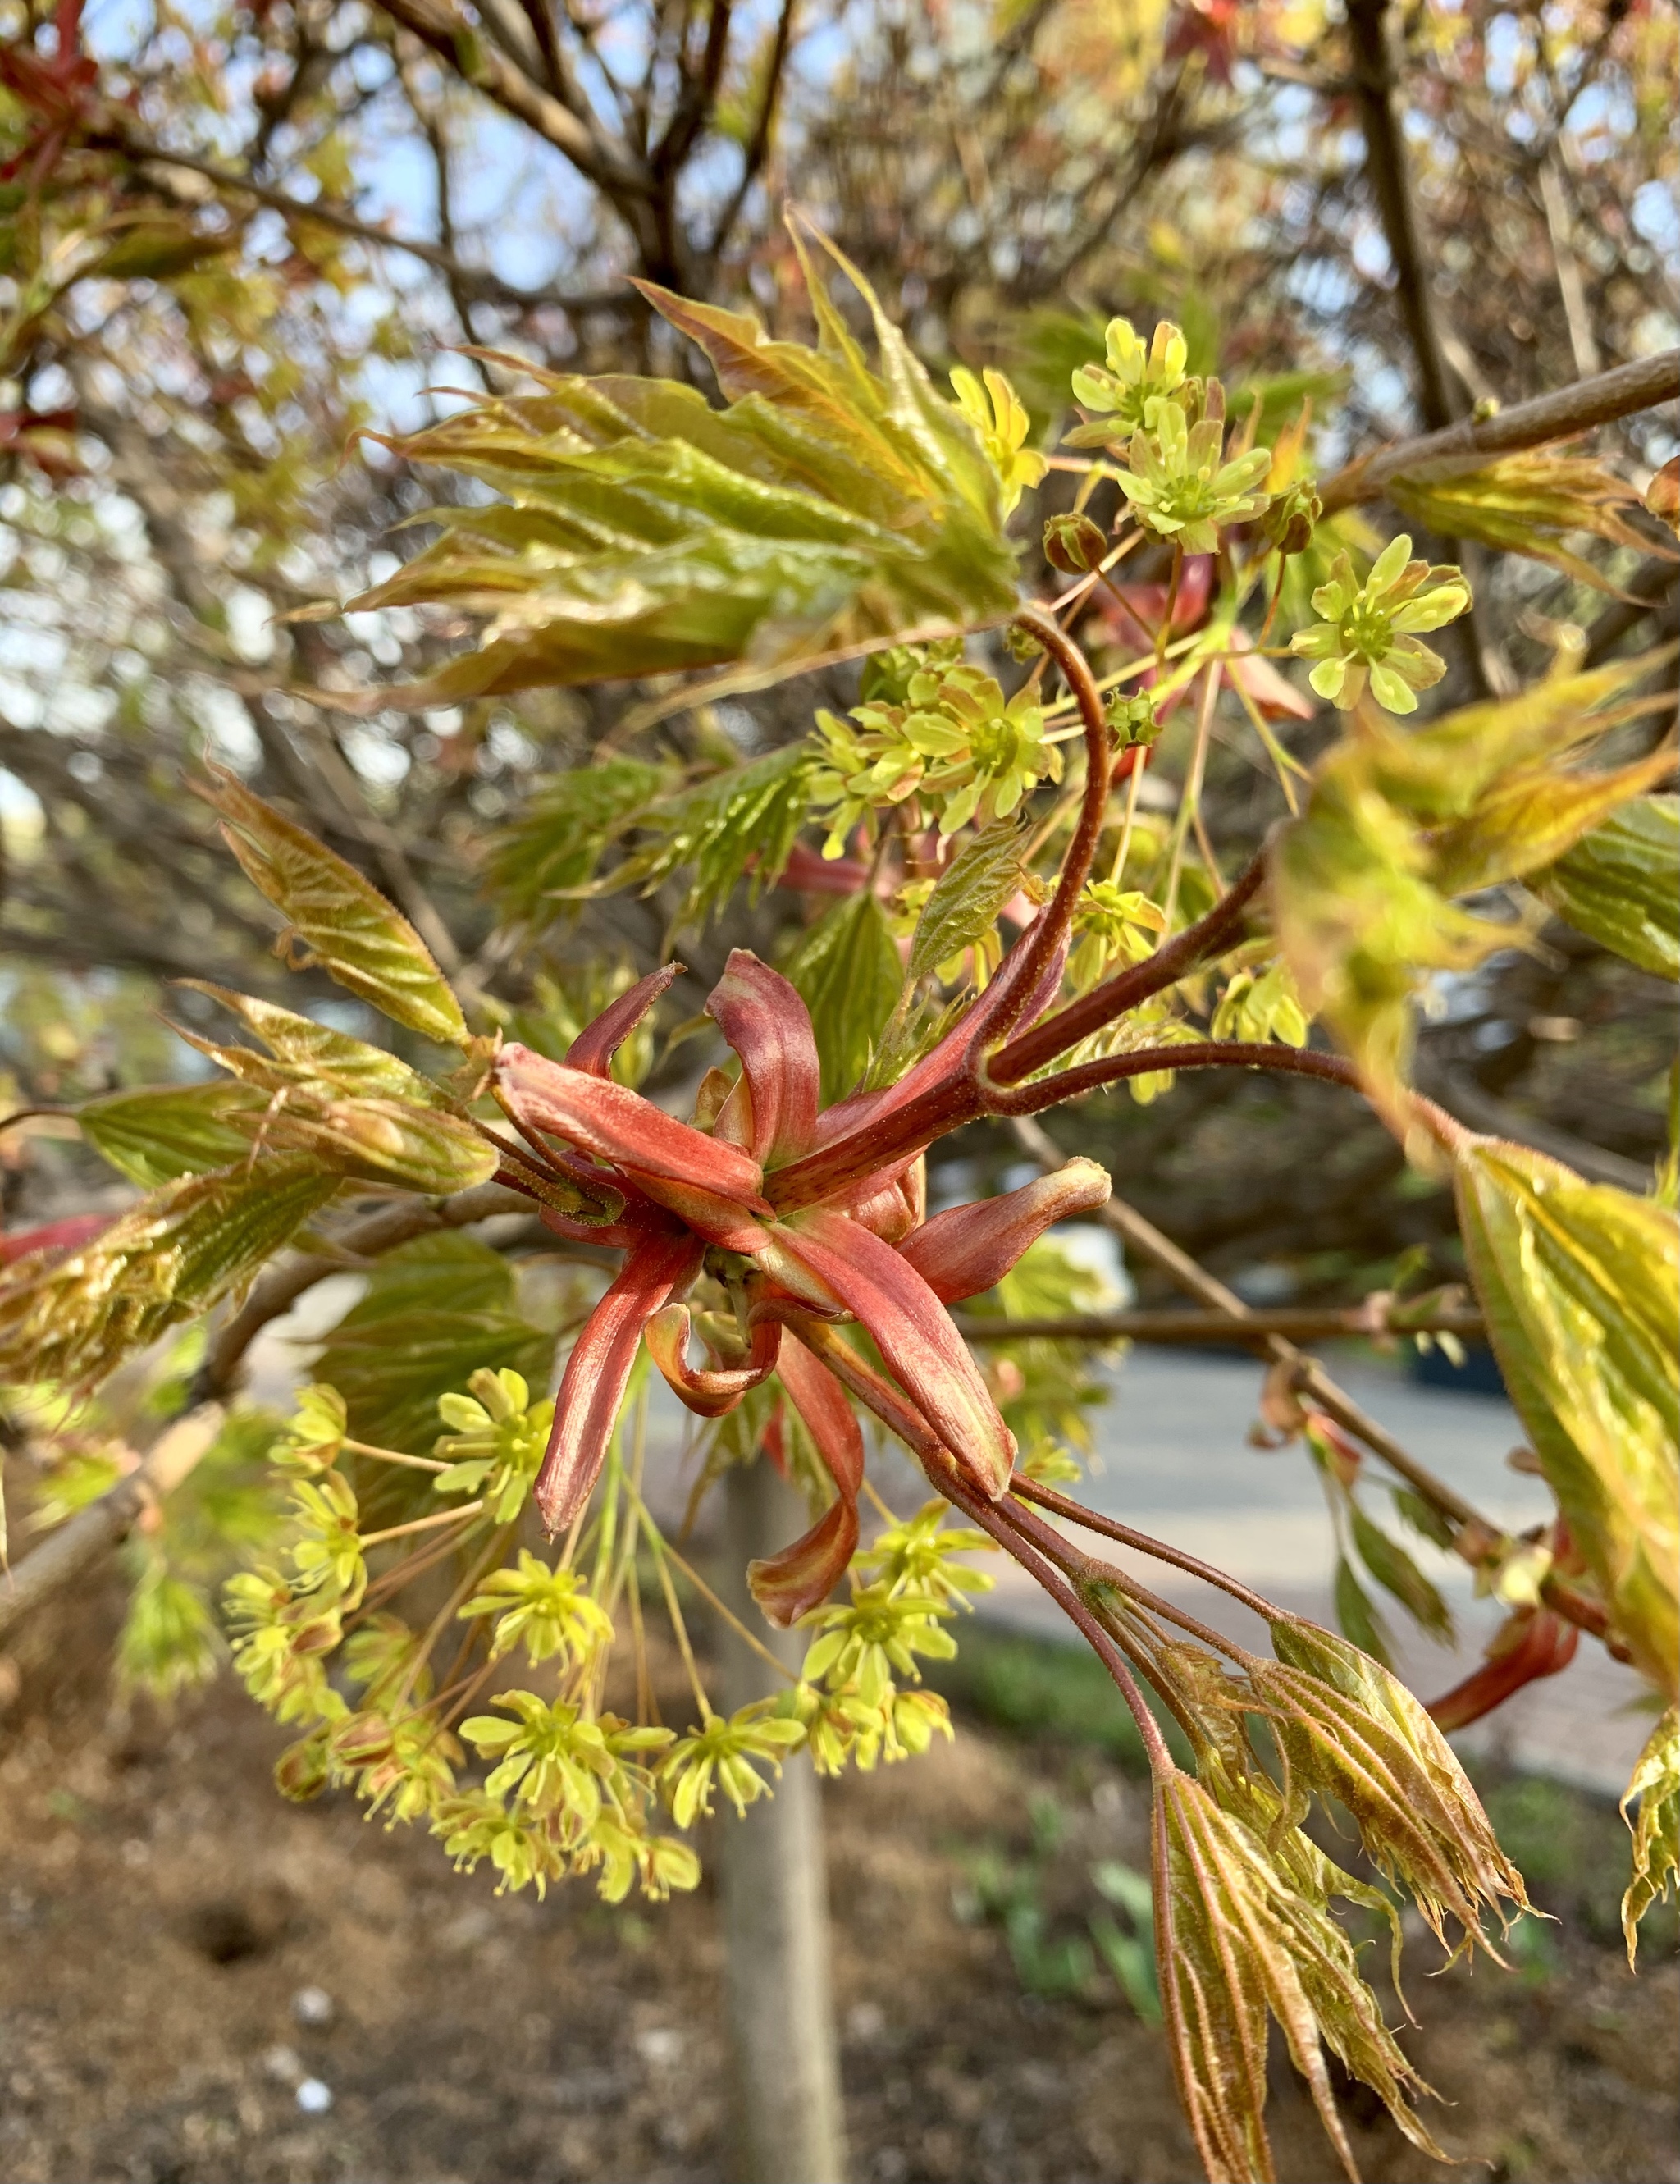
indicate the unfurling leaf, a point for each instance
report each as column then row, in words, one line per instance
column 828, row 509
column 338, row 919
column 747, row 816
column 1526, row 503
column 1399, row 822
column 71, row 1318
column 1358, row 1620
column 160, row 1132
column 379, row 1141
column 846, row 971
column 354, row 1108
column 1656, row 1831
column 1577, row 1281
column 313, row 1055
column 1399, row 1576
column 1241, row 1940
column 1352, row 1732
column 1620, row 885
column 967, row 897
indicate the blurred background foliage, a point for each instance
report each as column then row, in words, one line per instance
column 236, row 236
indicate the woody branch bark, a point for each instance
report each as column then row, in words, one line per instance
column 1473, row 442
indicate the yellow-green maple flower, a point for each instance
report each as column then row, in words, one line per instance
column 1368, row 632
column 998, row 415
column 1260, row 1006
column 551, row 1611
column 725, row 1748
column 874, row 1637
column 498, row 1442
column 328, row 1551
column 1140, row 378
column 552, row 1756
column 1179, row 485
column 917, row 1556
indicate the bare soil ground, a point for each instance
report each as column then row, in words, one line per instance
column 163, row 1917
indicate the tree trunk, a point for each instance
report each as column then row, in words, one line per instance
column 774, row 1894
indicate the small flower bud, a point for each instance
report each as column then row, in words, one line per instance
column 1074, row 544
column 362, row 1739
column 1289, row 518
column 1021, row 644
column 1132, row 718
column 303, row 1770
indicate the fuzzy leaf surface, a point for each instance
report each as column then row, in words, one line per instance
column 159, row 1132
column 72, row 1318
column 846, row 971
column 964, row 906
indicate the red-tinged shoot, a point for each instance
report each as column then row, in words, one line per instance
column 697, row 1200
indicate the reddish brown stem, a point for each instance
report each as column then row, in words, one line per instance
column 1209, row 1054
column 1048, row 931
column 1109, row 1528
column 1210, row 936
column 963, row 1098
column 901, row 1417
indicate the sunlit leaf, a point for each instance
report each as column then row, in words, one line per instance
column 74, row 1317
column 1399, row 822
column 1536, row 817
column 335, row 918
column 828, row 507
column 356, row 1109
column 1620, row 884
column 1578, row 1282
column 847, row 973
column 162, row 1131
column 304, row 1053
column 964, row 906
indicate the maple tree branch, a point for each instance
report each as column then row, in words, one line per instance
column 563, row 121
column 1175, row 960
column 1468, row 445
column 477, row 282
column 1480, row 1537
column 1148, row 1061
column 1369, row 34
column 758, row 149
column 280, row 1288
